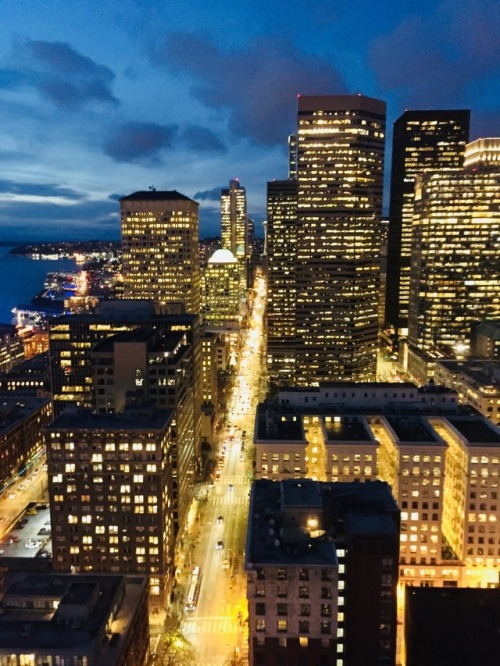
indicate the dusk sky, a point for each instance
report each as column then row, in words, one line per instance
column 100, row 99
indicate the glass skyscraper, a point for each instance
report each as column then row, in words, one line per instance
column 341, row 143
column 422, row 141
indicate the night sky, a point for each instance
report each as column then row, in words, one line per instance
column 99, row 99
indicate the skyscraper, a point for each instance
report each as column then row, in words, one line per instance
column 234, row 219
column 281, row 249
column 422, row 141
column 455, row 271
column 220, row 286
column 340, row 176
column 160, row 242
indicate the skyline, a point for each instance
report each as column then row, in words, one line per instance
column 97, row 103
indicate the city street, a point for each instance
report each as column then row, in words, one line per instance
column 26, row 489
column 217, row 627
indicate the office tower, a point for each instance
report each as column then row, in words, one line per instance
column 340, row 175
column 292, row 156
column 234, row 219
column 422, row 141
column 210, row 342
column 322, row 570
column 74, row 619
column 111, row 494
column 483, row 154
column 455, row 273
column 281, row 253
column 221, row 289
column 160, row 244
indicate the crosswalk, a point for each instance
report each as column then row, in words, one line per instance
column 209, row 625
column 201, row 632
column 229, row 501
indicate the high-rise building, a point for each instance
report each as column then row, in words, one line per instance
column 455, row 271
column 234, row 219
column 322, row 570
column 340, row 176
column 422, row 141
column 111, row 490
column 221, row 289
column 292, row 156
column 160, row 243
column 281, row 252
column 159, row 366
column 72, row 339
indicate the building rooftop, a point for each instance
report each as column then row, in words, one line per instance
column 133, row 419
column 479, row 372
column 14, row 409
column 223, row 257
column 271, row 424
column 478, row 431
column 155, row 195
column 346, row 429
column 43, row 627
column 300, row 521
column 158, row 342
column 412, row 430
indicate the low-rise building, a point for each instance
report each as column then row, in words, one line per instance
column 440, row 459
column 476, row 381
column 11, row 347
column 77, row 619
column 22, row 419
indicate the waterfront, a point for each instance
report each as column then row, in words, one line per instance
column 22, row 278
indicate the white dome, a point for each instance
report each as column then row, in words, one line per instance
column 223, row 257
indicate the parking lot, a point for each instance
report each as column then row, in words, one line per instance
column 30, row 536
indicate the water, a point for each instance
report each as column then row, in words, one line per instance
column 22, row 278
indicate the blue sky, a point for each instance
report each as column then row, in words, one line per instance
column 99, row 99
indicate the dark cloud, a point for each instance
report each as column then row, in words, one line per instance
column 202, row 140
column 116, row 197
column 38, row 189
column 10, row 79
column 71, row 79
column 60, row 74
column 255, row 84
column 209, row 195
column 139, row 142
column 434, row 61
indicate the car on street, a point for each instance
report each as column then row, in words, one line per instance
column 32, row 543
column 230, row 487
column 220, row 544
column 220, row 518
